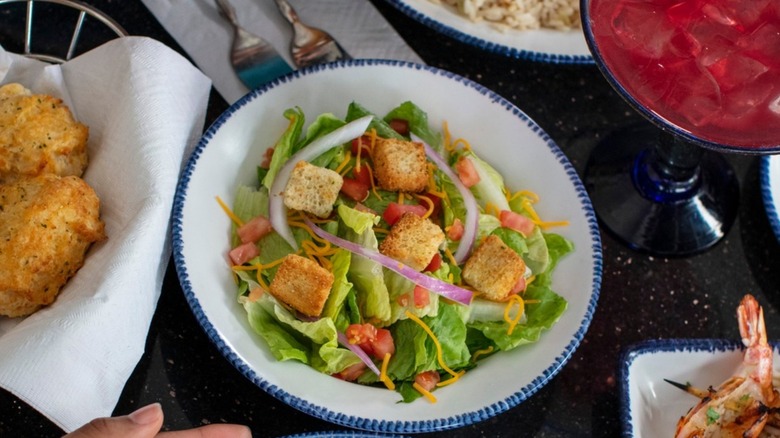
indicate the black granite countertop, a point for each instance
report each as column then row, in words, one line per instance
column 642, row 297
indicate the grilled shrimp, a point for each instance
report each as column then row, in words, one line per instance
column 740, row 406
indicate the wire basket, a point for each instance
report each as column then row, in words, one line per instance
column 54, row 30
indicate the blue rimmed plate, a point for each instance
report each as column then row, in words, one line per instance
column 650, row 406
column 543, row 45
column 227, row 156
column 770, row 190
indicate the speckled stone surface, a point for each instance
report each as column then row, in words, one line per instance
column 642, row 297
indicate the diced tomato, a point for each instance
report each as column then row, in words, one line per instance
column 244, row 253
column 253, row 230
column 427, row 379
column 403, row 300
column 400, row 126
column 394, row 211
column 517, row 222
column 363, row 142
column 519, row 286
column 363, row 175
column 467, row 172
column 383, row 344
column 351, row 372
column 375, row 342
column 436, row 203
column 435, row 263
column 422, row 296
column 355, row 189
column 455, row 231
column 360, row 333
column 266, row 163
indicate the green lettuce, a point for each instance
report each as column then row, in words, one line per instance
column 365, row 274
column 285, row 146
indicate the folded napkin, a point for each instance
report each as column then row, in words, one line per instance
column 206, row 36
column 71, row 360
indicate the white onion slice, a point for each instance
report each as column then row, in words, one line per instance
column 472, row 209
column 435, row 285
column 359, row 352
column 277, row 211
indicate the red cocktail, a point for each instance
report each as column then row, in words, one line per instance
column 709, row 67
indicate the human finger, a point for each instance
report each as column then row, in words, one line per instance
column 211, row 431
column 143, row 423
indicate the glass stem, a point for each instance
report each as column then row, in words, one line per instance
column 670, row 170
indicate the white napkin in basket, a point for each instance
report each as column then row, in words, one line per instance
column 206, row 36
column 145, row 107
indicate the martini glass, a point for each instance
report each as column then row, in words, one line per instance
column 706, row 74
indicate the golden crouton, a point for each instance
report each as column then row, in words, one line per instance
column 493, row 269
column 413, row 241
column 302, row 284
column 38, row 134
column 400, row 165
column 312, row 189
column 47, row 223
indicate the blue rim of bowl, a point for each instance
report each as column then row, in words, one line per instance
column 369, row 423
column 634, row 351
column 488, row 46
column 651, row 116
column 766, row 194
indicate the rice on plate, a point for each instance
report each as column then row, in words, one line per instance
column 520, row 14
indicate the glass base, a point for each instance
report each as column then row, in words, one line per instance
column 649, row 211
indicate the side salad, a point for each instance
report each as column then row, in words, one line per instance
column 381, row 251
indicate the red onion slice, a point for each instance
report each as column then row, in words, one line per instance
column 472, row 209
column 277, row 211
column 359, row 352
column 435, row 285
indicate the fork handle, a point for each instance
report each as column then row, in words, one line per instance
column 227, row 11
column 287, row 11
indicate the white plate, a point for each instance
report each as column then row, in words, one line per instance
column 770, row 190
column 228, row 155
column 545, row 45
column 651, row 407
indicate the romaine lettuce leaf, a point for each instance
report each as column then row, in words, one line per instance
column 365, row 274
column 284, row 147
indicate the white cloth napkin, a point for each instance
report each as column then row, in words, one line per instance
column 145, row 108
column 206, row 36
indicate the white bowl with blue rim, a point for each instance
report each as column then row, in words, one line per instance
column 770, row 190
column 543, row 45
column 234, row 145
column 650, row 406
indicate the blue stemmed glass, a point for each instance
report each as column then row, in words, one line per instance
column 656, row 186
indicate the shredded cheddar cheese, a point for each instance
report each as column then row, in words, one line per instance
column 371, row 179
column 491, row 208
column 481, row 352
column 383, row 373
column 428, row 201
column 439, row 351
column 513, row 320
column 465, row 144
column 431, row 398
column 229, row 212
column 344, row 163
column 449, row 256
column 447, row 137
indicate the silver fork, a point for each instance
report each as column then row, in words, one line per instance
column 310, row 45
column 253, row 58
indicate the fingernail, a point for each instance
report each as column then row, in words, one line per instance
column 146, row 415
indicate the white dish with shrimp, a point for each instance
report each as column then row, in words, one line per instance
column 651, row 407
column 228, row 155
